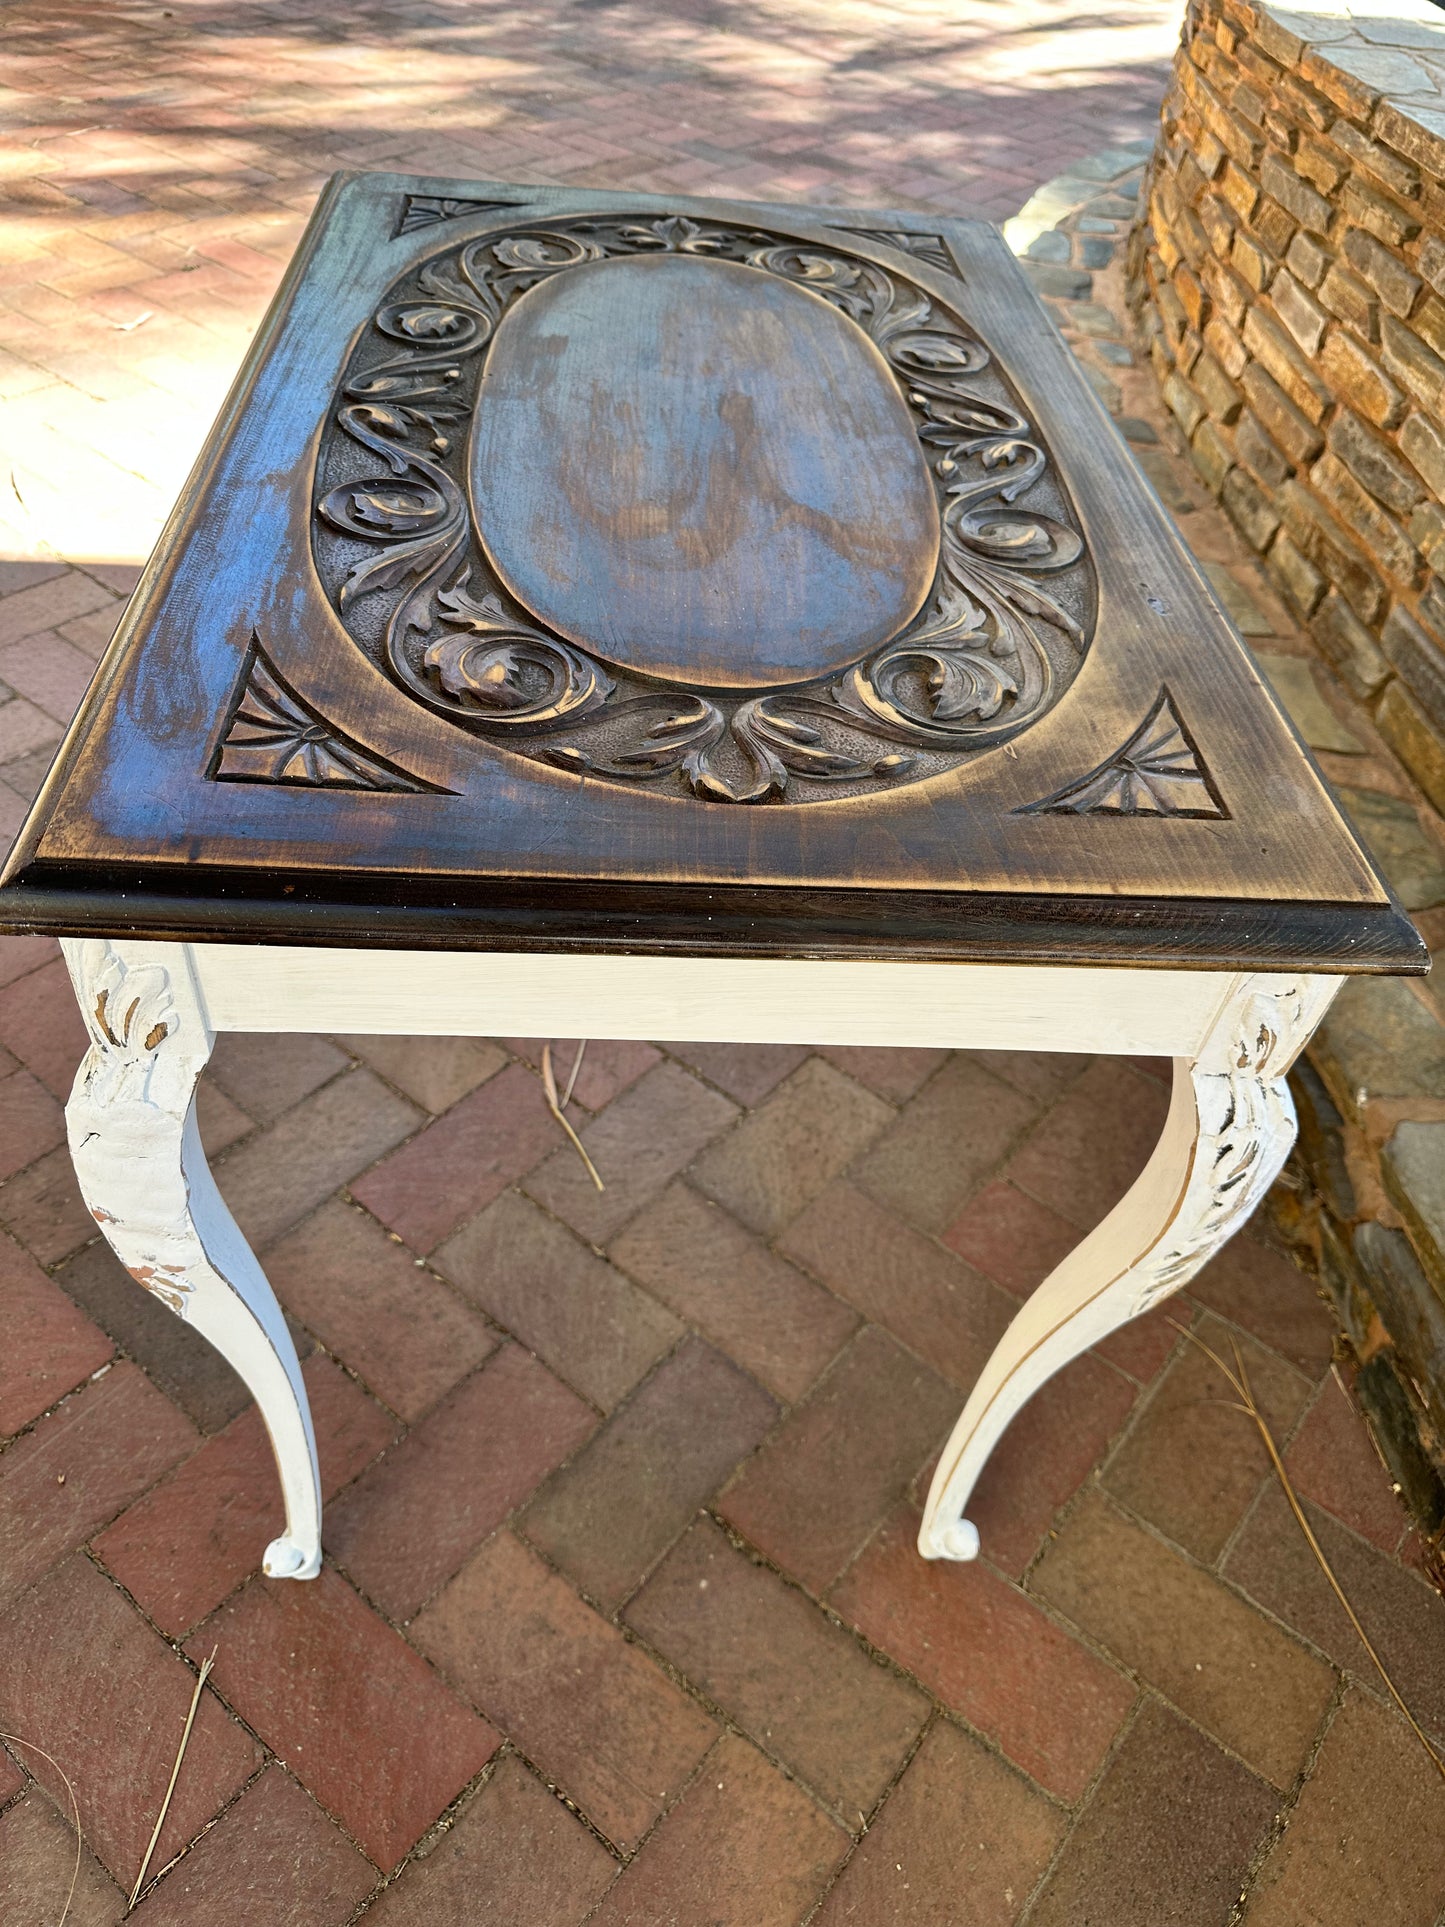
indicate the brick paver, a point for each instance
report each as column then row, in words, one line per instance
column 743, row 1843
column 83, row 1676
column 988, row 1653
column 1170, row 1620
column 37, row 1865
column 529, row 1628
column 272, row 1856
column 594, row 1713
column 624, row 1621
column 409, row 1521
column 342, row 1699
column 812, row 1496
column 1170, row 1833
column 607, row 1518
column 1187, row 1466
column 959, row 1823
column 791, row 1679
column 1368, row 1783
column 512, row 1848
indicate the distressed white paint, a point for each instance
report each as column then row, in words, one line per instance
column 709, row 999
column 152, row 1010
column 131, row 1121
column 1230, row 1127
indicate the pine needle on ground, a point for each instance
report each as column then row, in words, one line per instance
column 201, row 1678
column 572, row 1079
column 14, row 1739
column 556, row 1107
column 1239, row 1380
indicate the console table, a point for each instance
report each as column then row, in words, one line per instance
column 617, row 616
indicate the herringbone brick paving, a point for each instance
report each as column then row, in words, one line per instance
column 621, row 1620
column 621, row 1607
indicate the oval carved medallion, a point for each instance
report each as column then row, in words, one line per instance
column 700, row 472
column 683, row 504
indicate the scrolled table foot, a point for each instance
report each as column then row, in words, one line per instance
column 284, row 1559
column 949, row 1539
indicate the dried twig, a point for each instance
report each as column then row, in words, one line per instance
column 14, row 1739
column 201, row 1678
column 549, row 1085
column 572, row 1080
column 1239, row 1379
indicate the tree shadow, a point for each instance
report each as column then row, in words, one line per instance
column 929, row 110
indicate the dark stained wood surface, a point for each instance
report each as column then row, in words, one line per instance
column 701, row 473
column 408, row 912
column 871, row 640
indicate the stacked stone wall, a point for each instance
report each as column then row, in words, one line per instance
column 1290, row 279
column 1288, row 276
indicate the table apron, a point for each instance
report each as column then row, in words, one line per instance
column 256, row 987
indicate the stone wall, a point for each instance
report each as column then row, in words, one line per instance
column 1288, row 276
column 1291, row 278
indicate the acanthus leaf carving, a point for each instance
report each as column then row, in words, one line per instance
column 128, row 1073
column 128, row 1014
column 1246, row 1124
column 512, row 671
column 989, row 652
column 674, row 234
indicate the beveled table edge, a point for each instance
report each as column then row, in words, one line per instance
column 383, row 912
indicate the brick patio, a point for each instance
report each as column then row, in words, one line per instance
column 621, row 1620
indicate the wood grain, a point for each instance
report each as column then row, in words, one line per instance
column 700, row 472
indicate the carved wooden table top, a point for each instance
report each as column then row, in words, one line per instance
column 575, row 568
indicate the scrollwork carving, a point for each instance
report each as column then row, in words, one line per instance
column 998, row 638
column 510, row 671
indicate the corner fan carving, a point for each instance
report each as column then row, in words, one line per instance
column 272, row 736
column 1158, row 772
column 999, row 635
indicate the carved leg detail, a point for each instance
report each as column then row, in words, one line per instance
column 1230, row 1127
column 132, row 1126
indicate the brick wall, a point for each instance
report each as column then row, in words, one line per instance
column 1288, row 276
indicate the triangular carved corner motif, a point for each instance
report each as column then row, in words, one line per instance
column 425, row 210
column 1158, row 772
column 931, row 248
column 273, row 736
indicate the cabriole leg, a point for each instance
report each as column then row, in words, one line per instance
column 131, row 1120
column 1230, row 1127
